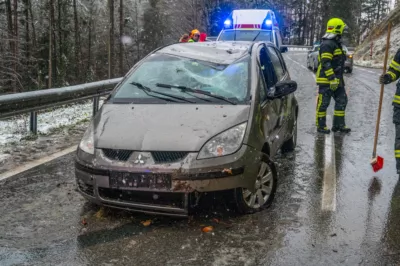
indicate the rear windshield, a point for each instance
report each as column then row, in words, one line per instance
column 229, row 81
column 246, row 35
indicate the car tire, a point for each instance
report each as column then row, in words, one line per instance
column 349, row 70
column 308, row 64
column 315, row 67
column 291, row 143
column 266, row 182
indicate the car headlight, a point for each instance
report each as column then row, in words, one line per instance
column 225, row 143
column 87, row 142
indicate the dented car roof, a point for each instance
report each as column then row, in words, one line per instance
column 216, row 52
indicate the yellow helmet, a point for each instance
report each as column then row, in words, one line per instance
column 194, row 32
column 335, row 26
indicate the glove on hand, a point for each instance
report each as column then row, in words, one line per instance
column 385, row 79
column 334, row 84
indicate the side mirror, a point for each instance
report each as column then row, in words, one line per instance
column 284, row 88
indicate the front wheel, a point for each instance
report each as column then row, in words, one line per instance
column 315, row 66
column 265, row 188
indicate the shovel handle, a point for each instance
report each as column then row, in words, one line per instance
column 382, row 90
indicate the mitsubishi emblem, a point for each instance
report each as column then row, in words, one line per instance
column 139, row 160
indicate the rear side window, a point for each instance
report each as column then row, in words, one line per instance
column 276, row 62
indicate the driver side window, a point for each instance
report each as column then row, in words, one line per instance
column 267, row 69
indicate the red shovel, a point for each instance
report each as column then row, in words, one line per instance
column 377, row 161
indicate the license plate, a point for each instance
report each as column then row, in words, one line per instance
column 134, row 180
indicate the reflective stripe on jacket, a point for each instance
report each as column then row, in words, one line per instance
column 331, row 59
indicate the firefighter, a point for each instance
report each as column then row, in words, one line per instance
column 184, row 38
column 390, row 76
column 194, row 36
column 330, row 80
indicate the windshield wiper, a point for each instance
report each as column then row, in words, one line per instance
column 147, row 90
column 187, row 89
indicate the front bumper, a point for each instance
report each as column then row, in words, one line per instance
column 173, row 195
column 348, row 63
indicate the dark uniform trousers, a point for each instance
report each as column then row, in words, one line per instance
column 324, row 99
column 396, row 121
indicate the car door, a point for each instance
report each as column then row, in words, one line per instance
column 284, row 103
column 269, row 107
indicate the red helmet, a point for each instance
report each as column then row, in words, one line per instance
column 203, row 37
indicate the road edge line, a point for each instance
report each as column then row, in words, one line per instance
column 30, row 165
column 328, row 202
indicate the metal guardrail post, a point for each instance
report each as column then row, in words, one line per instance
column 96, row 101
column 33, row 123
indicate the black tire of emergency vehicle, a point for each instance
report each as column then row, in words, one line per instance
column 242, row 202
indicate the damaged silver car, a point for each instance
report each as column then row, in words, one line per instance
column 191, row 118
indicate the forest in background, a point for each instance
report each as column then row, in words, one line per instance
column 55, row 43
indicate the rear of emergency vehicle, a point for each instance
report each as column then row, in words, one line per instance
column 252, row 25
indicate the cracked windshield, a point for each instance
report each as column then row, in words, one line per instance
column 230, row 81
column 166, row 132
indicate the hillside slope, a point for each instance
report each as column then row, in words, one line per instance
column 362, row 54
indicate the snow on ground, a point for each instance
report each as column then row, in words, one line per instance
column 58, row 129
column 363, row 57
column 13, row 130
column 368, row 63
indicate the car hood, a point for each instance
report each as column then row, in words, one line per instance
column 164, row 127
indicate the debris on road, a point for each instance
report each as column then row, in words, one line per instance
column 207, row 229
column 84, row 221
column 146, row 223
column 226, row 170
column 100, row 213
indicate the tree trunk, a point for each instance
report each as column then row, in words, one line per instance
column 10, row 25
column 90, row 44
column 27, row 34
column 121, row 34
column 50, row 43
column 15, row 43
column 60, row 42
column 137, row 32
column 54, row 40
column 32, row 24
column 378, row 13
column 77, row 45
column 111, row 39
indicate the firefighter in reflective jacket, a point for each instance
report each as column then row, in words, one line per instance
column 331, row 60
column 392, row 75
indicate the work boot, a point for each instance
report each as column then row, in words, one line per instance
column 341, row 129
column 324, row 130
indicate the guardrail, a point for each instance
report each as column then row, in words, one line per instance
column 33, row 101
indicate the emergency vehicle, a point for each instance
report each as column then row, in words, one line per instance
column 252, row 25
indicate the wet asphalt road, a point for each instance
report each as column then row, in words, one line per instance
column 41, row 212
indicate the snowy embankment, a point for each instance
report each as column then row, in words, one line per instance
column 362, row 56
column 59, row 128
column 15, row 129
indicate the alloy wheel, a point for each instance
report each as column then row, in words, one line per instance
column 263, row 188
